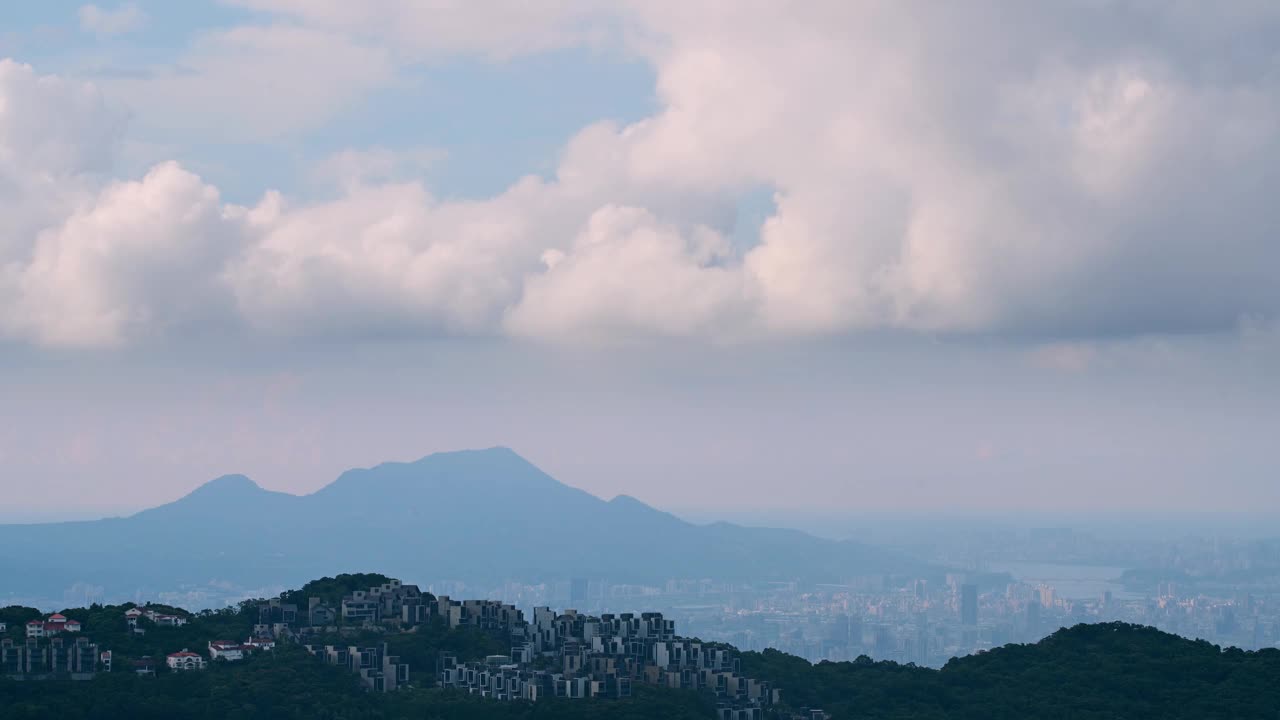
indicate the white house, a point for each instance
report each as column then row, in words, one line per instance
column 167, row 620
column 61, row 623
column 131, row 616
column 4, row 627
column 53, row 625
column 261, row 643
column 226, row 650
column 185, row 660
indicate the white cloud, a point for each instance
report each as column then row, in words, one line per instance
column 990, row 184
column 627, row 275
column 56, row 136
column 379, row 260
column 989, row 168
column 124, row 19
column 133, row 264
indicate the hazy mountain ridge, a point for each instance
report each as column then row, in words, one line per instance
column 470, row 515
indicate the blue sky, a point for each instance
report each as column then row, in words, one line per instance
column 993, row 256
column 494, row 120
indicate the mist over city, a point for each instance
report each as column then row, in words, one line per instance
column 706, row 359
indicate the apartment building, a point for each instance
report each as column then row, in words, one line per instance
column 601, row 657
column 391, row 601
column 277, row 612
column 34, row 659
column 319, row 614
column 576, row 655
column 379, row 671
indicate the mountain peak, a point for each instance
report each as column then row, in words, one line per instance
column 497, row 453
column 627, row 501
column 228, row 484
column 500, row 465
column 226, row 494
column 461, row 471
column 627, row 506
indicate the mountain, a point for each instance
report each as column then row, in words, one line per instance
column 475, row 515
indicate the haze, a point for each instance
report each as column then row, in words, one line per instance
column 727, row 258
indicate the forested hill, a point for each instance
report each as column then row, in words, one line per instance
column 1108, row 671
column 1089, row 672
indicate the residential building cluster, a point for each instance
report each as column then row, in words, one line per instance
column 36, row 660
column 378, row 671
column 187, row 660
column 49, row 652
column 162, row 619
column 567, row 655
column 574, row 655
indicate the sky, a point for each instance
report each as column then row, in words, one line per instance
column 725, row 257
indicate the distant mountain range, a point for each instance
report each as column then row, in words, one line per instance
column 475, row 515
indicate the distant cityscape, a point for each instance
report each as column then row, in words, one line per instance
column 1202, row 588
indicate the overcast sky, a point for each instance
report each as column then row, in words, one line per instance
column 717, row 255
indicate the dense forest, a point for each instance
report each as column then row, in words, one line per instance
column 1089, row 672
column 1105, row 671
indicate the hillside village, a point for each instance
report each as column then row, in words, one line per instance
column 568, row 655
column 551, row 655
column 385, row 651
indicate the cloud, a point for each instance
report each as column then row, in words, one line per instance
column 1060, row 173
column 84, row 260
column 628, row 275
column 377, row 261
column 133, row 264
column 1041, row 184
column 124, row 19
column 57, row 137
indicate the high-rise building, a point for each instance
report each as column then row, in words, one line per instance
column 920, row 653
column 838, row 630
column 578, row 594
column 969, row 604
column 855, row 631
